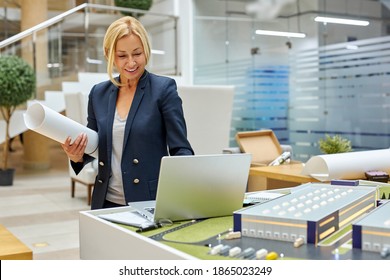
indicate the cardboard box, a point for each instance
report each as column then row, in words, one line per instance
column 265, row 148
column 262, row 144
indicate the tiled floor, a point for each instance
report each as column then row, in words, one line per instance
column 38, row 208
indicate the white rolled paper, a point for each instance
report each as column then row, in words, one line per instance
column 58, row 127
column 347, row 166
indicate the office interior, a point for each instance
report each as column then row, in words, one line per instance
column 320, row 79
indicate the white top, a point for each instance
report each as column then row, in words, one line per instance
column 115, row 191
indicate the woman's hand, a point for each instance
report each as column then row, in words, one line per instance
column 75, row 150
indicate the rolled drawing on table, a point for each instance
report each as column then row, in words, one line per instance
column 351, row 165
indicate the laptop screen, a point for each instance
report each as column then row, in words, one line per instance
column 201, row 186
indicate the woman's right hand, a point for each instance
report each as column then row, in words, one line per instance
column 75, row 151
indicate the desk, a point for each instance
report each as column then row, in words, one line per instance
column 11, row 248
column 279, row 176
column 102, row 240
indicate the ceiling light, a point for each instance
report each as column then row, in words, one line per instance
column 342, row 21
column 279, row 33
column 158, row 52
column 352, row 47
column 94, row 61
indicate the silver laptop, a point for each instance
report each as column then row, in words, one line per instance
column 197, row 187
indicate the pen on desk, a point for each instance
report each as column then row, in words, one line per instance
column 151, row 227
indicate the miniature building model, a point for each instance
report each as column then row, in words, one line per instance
column 312, row 212
column 372, row 232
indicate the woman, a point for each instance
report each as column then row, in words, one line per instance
column 138, row 117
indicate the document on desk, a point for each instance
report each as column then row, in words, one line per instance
column 129, row 218
column 351, row 165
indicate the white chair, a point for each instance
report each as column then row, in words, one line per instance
column 86, row 177
column 76, row 109
column 208, row 113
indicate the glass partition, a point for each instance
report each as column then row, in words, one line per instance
column 341, row 89
column 72, row 42
column 332, row 81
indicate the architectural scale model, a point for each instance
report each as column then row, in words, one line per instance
column 372, row 232
column 312, row 212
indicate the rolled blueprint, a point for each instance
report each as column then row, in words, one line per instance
column 52, row 124
column 351, row 165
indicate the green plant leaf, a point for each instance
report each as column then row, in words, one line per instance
column 17, row 85
column 134, row 4
column 17, row 81
column 334, row 144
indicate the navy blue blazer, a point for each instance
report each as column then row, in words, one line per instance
column 155, row 127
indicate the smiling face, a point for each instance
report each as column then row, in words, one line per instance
column 130, row 59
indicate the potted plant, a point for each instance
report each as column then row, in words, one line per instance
column 17, row 85
column 134, row 4
column 334, row 144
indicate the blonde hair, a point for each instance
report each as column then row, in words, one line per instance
column 118, row 29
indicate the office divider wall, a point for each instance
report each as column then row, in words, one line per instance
column 340, row 89
column 337, row 89
column 228, row 53
column 261, row 94
column 333, row 81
